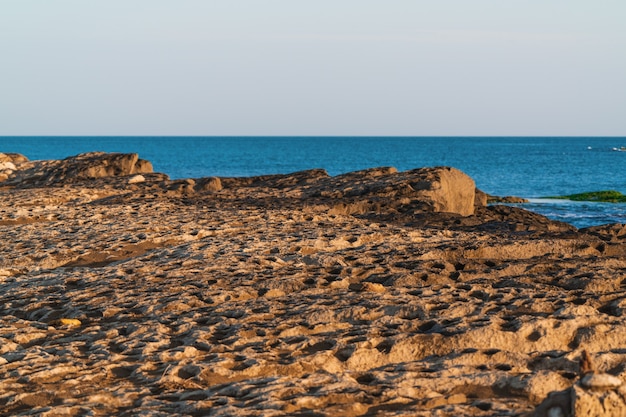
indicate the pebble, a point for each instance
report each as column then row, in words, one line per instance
column 137, row 179
column 595, row 380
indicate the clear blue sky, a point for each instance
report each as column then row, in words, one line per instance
column 323, row 67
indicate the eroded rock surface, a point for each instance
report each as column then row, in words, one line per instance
column 278, row 295
column 440, row 189
column 85, row 166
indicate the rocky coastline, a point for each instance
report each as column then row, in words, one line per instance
column 373, row 293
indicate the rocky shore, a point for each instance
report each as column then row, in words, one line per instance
column 373, row 293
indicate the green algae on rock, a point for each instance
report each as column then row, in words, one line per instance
column 607, row 196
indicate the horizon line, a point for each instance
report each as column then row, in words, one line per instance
column 312, row 136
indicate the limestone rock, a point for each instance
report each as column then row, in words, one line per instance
column 90, row 165
column 277, row 181
column 274, row 296
column 180, row 187
column 7, row 166
column 607, row 232
column 480, row 198
column 543, row 383
column 449, row 190
column 137, row 179
column 598, row 395
column 598, row 380
column 610, row 402
column 14, row 158
column 517, row 219
column 211, row 184
column 506, row 200
column 440, row 189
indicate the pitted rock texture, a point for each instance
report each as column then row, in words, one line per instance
column 261, row 297
column 440, row 189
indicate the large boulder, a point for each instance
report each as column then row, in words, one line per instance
column 448, row 189
column 439, row 189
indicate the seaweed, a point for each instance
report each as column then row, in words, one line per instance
column 606, row 196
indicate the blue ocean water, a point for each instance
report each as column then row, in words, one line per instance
column 526, row 167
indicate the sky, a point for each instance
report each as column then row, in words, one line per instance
column 313, row 68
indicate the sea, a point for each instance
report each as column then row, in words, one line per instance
column 529, row 167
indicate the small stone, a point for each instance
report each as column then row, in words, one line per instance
column 373, row 287
column 137, row 179
column 594, row 380
column 457, row 399
column 367, row 287
column 340, row 284
column 435, row 402
column 67, row 322
column 274, row 293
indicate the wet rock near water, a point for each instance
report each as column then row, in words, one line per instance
column 506, row 200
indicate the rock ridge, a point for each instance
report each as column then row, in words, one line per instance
column 85, row 166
